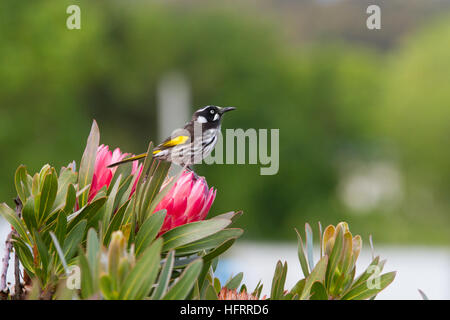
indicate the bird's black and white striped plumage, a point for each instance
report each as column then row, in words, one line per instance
column 192, row 143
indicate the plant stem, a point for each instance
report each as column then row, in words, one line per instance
column 8, row 249
column 17, row 284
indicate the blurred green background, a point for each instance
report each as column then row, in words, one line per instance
column 364, row 115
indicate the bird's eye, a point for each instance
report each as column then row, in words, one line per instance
column 212, row 111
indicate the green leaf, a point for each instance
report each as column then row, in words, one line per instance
column 139, row 281
column 108, row 209
column 116, row 221
column 73, row 239
column 309, row 245
column 219, row 250
column 298, row 288
column 88, row 162
column 366, row 274
column 153, row 193
column 164, row 277
column 234, row 282
column 25, row 256
column 335, row 255
column 278, row 282
column 46, row 197
column 88, row 213
column 149, row 230
column 28, row 214
column 191, row 232
column 22, row 183
column 11, row 216
column 210, row 293
column 61, row 226
column 71, row 199
column 423, row 295
column 42, row 250
column 366, row 290
column 92, row 249
column 66, row 178
column 209, row 242
column 301, row 255
column 106, row 288
column 318, row 292
column 185, row 282
column 317, row 274
column 232, row 215
column 60, row 252
column 87, row 282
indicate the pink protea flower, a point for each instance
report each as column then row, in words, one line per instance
column 187, row 201
column 103, row 175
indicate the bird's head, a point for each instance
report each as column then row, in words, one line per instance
column 210, row 114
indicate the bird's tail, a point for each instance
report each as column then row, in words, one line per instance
column 139, row 156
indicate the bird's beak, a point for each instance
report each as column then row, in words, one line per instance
column 226, row 109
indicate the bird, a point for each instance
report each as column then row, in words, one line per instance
column 192, row 143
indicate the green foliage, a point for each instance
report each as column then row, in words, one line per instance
column 333, row 276
column 332, row 100
column 114, row 238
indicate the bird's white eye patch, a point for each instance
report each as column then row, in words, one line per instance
column 216, row 117
column 201, row 119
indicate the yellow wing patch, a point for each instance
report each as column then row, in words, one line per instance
column 176, row 141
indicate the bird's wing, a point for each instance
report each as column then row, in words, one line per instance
column 179, row 137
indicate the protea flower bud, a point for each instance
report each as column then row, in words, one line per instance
column 227, row 294
column 187, row 201
column 103, row 175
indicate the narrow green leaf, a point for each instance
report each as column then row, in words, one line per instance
column 108, row 209
column 164, row 277
column 73, row 239
column 209, row 242
column 185, row 282
column 47, row 195
column 116, row 222
column 60, row 252
column 139, row 281
column 11, row 216
column 335, row 255
column 191, row 232
column 22, row 183
column 88, row 162
column 210, row 293
column 234, row 282
column 29, row 215
column 88, row 213
column 309, row 245
column 423, row 295
column 219, row 250
column 61, row 226
column 370, row 287
column 318, row 291
column 66, row 178
column 42, row 250
column 71, row 198
column 92, row 249
column 87, row 282
column 25, row 256
column 317, row 274
column 149, row 230
column 301, row 255
column 278, row 281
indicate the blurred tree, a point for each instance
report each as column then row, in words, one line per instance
column 414, row 120
column 322, row 96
